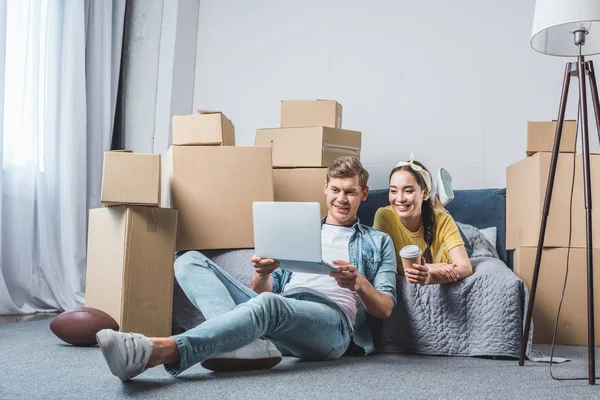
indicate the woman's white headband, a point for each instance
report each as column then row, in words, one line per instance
column 417, row 168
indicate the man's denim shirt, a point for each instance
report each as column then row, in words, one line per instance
column 372, row 252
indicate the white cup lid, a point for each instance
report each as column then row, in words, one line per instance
column 410, row 251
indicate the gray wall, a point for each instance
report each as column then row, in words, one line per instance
column 452, row 81
column 158, row 70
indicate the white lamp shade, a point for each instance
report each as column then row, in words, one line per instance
column 554, row 22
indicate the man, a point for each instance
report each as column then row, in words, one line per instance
column 309, row 316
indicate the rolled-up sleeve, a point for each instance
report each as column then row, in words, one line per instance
column 385, row 278
column 277, row 277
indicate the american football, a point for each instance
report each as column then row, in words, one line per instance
column 79, row 326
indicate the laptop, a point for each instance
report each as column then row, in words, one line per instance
column 290, row 232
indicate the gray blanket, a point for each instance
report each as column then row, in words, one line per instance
column 481, row 315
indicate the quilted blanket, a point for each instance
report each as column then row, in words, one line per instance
column 481, row 315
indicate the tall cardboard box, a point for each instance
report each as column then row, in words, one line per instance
column 540, row 136
column 572, row 327
column 206, row 129
column 301, row 184
column 130, row 178
column 309, row 147
column 213, row 189
column 526, row 182
column 130, row 266
column 302, row 113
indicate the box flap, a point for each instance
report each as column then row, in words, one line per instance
column 201, row 112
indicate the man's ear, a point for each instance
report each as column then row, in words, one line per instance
column 325, row 187
column 365, row 193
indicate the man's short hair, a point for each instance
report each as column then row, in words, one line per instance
column 348, row 167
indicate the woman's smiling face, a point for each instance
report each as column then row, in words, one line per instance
column 405, row 195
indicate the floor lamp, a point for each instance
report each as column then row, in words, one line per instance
column 569, row 28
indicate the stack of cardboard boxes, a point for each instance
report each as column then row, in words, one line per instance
column 212, row 183
column 525, row 192
column 309, row 139
column 199, row 196
column 130, row 246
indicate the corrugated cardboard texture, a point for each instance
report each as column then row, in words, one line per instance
column 540, row 136
column 213, row 189
column 105, row 260
column 208, row 128
column 572, row 328
column 526, row 183
column 302, row 113
column 148, row 274
column 301, row 184
column 130, row 178
column 130, row 266
column 309, row 147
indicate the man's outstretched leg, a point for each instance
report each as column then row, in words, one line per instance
column 310, row 329
column 214, row 292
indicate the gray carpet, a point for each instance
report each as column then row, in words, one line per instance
column 34, row 364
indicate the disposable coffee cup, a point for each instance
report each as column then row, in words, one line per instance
column 410, row 255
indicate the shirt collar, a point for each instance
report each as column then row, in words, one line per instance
column 357, row 225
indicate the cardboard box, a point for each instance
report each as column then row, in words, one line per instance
column 130, row 178
column 208, row 128
column 526, row 183
column 130, row 258
column 309, row 147
column 572, row 328
column 540, row 136
column 213, row 189
column 301, row 184
column 302, row 113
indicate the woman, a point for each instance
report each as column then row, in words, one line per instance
column 411, row 219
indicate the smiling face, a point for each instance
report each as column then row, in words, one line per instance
column 343, row 198
column 406, row 195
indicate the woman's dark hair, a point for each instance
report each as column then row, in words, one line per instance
column 426, row 209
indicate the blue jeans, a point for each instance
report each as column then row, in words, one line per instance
column 303, row 325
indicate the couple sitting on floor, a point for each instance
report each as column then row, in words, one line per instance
column 312, row 317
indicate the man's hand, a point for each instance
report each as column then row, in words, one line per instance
column 417, row 274
column 264, row 266
column 347, row 276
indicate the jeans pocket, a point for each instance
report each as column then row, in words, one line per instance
column 337, row 351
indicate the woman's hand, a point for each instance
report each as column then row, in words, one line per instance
column 448, row 271
column 419, row 273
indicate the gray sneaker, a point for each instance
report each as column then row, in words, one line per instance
column 444, row 187
column 126, row 354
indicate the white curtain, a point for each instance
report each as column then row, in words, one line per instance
column 59, row 68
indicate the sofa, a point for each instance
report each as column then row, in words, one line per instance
column 478, row 316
